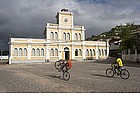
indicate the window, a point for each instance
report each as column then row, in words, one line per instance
column 99, row 52
column 52, row 36
column 33, row 52
column 64, row 36
column 56, row 52
column 66, row 49
column 52, row 52
column 25, row 52
column 56, row 36
column 15, row 52
column 76, row 36
column 94, row 52
column 90, row 52
column 42, row 52
column 87, row 52
column 76, row 52
column 102, row 52
column 80, row 52
column 79, row 36
column 68, row 36
column 20, row 52
column 37, row 52
column 105, row 53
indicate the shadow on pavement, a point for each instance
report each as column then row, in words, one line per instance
column 101, row 75
column 54, row 76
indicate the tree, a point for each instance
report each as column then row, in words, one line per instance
column 123, row 33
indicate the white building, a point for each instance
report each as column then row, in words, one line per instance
column 62, row 40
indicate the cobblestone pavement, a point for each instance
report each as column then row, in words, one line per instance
column 85, row 77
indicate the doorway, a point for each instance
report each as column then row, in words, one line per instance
column 67, row 55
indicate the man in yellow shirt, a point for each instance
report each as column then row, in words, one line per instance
column 118, row 62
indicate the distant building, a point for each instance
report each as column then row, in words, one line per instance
column 114, row 46
column 62, row 40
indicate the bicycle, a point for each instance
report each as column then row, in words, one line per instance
column 122, row 72
column 60, row 65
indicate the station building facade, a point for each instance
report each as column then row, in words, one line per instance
column 62, row 40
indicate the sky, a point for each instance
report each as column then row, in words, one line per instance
column 27, row 18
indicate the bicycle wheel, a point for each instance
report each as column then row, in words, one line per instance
column 57, row 64
column 124, row 74
column 66, row 75
column 109, row 72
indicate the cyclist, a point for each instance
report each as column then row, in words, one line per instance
column 118, row 62
column 66, row 65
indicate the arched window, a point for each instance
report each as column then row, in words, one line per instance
column 20, row 52
column 66, row 49
column 52, row 52
column 56, row 52
column 37, row 52
column 87, row 52
column 25, row 52
column 105, row 52
column 90, row 52
column 33, row 52
column 52, row 36
column 42, row 52
column 94, row 52
column 80, row 52
column 99, row 52
column 64, row 36
column 76, row 52
column 102, row 52
column 79, row 36
column 68, row 36
column 56, row 36
column 15, row 52
column 76, row 36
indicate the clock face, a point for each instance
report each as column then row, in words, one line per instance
column 65, row 19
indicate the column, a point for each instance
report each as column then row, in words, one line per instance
column 47, row 50
column 47, row 53
column 107, row 55
column 73, row 51
column 29, row 52
column 60, row 52
column 97, row 50
column 10, row 53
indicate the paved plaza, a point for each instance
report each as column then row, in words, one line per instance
column 86, row 77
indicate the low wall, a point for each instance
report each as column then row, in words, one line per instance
column 131, row 57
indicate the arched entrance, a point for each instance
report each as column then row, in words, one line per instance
column 67, row 53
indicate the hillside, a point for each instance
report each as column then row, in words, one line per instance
column 123, row 33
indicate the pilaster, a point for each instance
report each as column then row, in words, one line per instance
column 10, row 53
column 97, row 50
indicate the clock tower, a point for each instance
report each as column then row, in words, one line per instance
column 65, row 18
